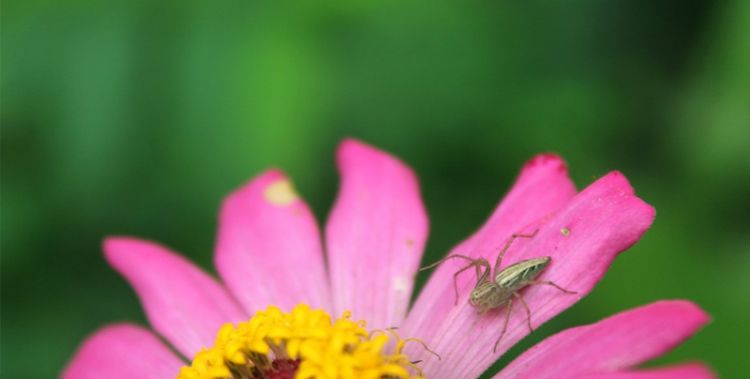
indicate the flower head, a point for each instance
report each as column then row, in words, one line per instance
column 271, row 262
column 304, row 343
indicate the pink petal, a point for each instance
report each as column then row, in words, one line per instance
column 685, row 371
column 268, row 249
column 542, row 187
column 618, row 342
column 183, row 303
column 581, row 239
column 123, row 352
column 375, row 235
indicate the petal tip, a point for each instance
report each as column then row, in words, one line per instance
column 280, row 193
column 688, row 309
column 80, row 360
column 350, row 142
column 268, row 176
column 616, row 183
column 616, row 179
column 548, row 160
column 276, row 188
column 650, row 212
column 122, row 252
column 115, row 246
column 262, row 180
column 271, row 186
column 700, row 370
column 352, row 146
column 550, row 169
column 121, row 350
column 357, row 155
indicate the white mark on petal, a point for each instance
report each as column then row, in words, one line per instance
column 280, row 193
column 399, row 284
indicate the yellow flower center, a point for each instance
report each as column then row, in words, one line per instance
column 302, row 344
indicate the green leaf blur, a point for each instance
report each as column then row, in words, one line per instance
column 138, row 117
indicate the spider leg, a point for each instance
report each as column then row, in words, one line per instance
column 505, row 325
column 478, row 263
column 447, row 258
column 528, row 311
column 507, row 246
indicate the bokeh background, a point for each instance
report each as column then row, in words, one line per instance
column 137, row 118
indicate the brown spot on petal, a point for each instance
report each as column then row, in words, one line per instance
column 409, row 242
column 280, row 193
column 565, row 232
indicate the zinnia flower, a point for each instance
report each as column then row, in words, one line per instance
column 271, row 316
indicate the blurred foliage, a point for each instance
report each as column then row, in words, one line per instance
column 138, row 117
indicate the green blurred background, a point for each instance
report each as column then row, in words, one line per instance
column 138, row 117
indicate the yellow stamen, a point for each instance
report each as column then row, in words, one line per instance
column 302, row 344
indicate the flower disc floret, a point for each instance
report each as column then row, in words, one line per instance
column 303, row 344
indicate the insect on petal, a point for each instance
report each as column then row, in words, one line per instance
column 542, row 187
column 604, row 219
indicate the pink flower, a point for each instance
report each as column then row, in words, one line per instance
column 269, row 252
